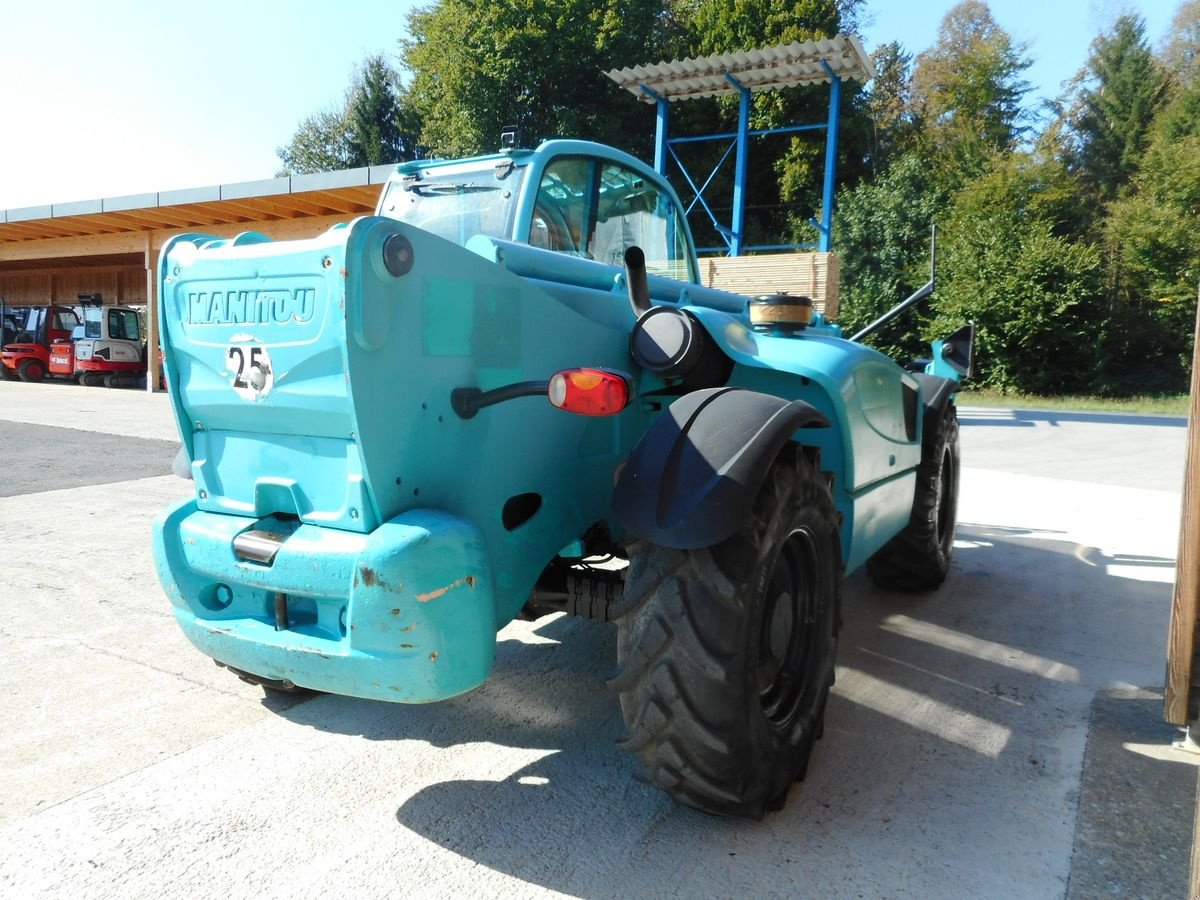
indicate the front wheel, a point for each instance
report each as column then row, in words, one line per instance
column 918, row 558
column 726, row 654
column 31, row 370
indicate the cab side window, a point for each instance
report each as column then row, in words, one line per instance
column 634, row 211
column 595, row 209
column 564, row 213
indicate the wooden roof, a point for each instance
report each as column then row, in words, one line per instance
column 347, row 193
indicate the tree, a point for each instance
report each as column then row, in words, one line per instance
column 958, row 113
column 373, row 125
column 718, row 26
column 882, row 238
column 1035, row 295
column 321, row 144
column 1152, row 237
column 479, row 66
column 1181, row 46
column 1119, row 90
column 889, row 104
column 381, row 129
column 967, row 91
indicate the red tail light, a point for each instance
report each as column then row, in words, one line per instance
column 589, row 392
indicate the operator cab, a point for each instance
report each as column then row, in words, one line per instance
column 570, row 197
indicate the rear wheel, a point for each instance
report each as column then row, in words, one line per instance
column 726, row 654
column 918, row 558
column 31, row 370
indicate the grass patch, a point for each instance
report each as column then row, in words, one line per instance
column 1167, row 404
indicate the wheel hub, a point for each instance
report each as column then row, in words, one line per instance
column 787, row 630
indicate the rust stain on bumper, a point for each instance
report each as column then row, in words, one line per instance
column 468, row 580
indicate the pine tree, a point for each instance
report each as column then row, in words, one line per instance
column 1120, row 89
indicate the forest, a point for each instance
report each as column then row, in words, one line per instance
column 1067, row 230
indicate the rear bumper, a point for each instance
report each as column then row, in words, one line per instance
column 405, row 613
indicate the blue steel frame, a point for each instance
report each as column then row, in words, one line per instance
column 734, row 234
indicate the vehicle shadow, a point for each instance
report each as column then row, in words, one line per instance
column 971, row 416
column 953, row 745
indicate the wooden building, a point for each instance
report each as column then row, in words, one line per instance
column 51, row 254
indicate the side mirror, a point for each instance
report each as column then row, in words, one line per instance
column 958, row 350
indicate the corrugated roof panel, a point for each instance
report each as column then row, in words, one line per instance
column 761, row 69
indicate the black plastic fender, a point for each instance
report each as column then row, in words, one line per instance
column 691, row 479
column 936, row 391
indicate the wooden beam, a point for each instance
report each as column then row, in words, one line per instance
column 56, row 247
column 157, row 217
column 1181, row 700
column 135, row 241
column 65, row 270
column 260, row 209
column 94, row 224
column 310, row 207
column 117, row 221
column 367, row 194
column 219, row 211
column 341, row 204
column 39, row 230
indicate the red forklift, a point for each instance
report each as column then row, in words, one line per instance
column 35, row 330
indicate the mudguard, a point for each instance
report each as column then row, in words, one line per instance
column 693, row 476
column 936, row 391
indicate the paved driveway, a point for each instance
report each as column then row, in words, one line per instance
column 970, row 747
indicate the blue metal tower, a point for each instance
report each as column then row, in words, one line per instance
column 829, row 60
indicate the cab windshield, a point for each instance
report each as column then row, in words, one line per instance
column 457, row 202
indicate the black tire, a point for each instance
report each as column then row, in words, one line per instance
column 7, row 374
column 918, row 558
column 722, row 685
column 31, row 370
column 270, row 685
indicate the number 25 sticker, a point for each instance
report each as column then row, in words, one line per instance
column 250, row 365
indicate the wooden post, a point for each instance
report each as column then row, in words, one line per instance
column 153, row 368
column 1194, row 889
column 1179, row 708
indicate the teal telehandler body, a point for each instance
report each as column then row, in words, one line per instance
column 507, row 394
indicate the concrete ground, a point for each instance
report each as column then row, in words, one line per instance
column 1001, row 737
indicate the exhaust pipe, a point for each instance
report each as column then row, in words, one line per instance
column 635, row 280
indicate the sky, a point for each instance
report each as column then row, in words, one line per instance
column 132, row 96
